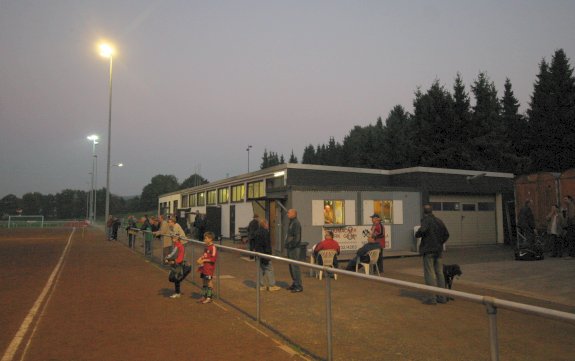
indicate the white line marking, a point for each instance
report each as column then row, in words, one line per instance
column 19, row 337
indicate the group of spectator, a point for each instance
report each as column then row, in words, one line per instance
column 432, row 232
column 560, row 227
column 259, row 241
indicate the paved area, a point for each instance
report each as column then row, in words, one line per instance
column 493, row 270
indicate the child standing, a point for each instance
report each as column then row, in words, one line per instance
column 207, row 264
column 176, row 259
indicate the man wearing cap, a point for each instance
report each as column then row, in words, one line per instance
column 378, row 235
column 362, row 254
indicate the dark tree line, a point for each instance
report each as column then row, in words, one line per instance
column 73, row 204
column 447, row 131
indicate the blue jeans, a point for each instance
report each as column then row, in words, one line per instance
column 295, row 273
column 433, row 274
column 267, row 272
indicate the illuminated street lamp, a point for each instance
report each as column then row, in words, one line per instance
column 107, row 51
column 94, row 139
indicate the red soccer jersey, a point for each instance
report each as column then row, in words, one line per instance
column 210, row 254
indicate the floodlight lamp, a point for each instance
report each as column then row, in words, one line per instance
column 106, row 50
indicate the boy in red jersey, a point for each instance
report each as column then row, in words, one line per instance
column 207, row 267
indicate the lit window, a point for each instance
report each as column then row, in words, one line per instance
column 223, row 195
column 238, row 193
column 201, row 199
column 193, row 199
column 185, row 199
column 211, row 195
column 333, row 212
column 256, row 190
column 384, row 209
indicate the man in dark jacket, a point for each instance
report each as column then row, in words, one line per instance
column 262, row 244
column 526, row 223
column 292, row 243
column 252, row 228
column 433, row 234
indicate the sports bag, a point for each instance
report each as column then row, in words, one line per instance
column 527, row 254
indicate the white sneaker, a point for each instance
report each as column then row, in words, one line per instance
column 274, row 288
column 176, row 295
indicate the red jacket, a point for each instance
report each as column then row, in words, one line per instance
column 327, row 244
column 378, row 233
column 210, row 254
column 181, row 252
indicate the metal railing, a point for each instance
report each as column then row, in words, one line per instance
column 491, row 304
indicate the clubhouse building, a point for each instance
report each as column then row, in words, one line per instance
column 473, row 204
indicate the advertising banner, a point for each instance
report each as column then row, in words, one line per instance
column 351, row 238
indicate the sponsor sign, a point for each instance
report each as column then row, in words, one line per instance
column 351, row 238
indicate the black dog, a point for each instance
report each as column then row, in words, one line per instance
column 450, row 271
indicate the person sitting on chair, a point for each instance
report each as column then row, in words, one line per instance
column 327, row 243
column 362, row 253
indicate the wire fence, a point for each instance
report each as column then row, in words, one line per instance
column 249, row 301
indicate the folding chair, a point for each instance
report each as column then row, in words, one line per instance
column 373, row 256
column 327, row 257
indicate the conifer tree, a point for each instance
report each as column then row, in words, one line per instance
column 433, row 128
column 515, row 132
column 292, row 158
column 308, row 156
column 551, row 116
column 486, row 126
column 396, row 139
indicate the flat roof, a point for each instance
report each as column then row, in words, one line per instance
column 263, row 173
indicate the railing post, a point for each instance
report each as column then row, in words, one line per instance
column 489, row 303
column 218, row 276
column 258, row 282
column 193, row 261
column 328, row 315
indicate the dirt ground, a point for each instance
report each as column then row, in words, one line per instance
column 111, row 303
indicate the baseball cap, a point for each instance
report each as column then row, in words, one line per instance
column 375, row 215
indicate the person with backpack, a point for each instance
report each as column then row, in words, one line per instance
column 433, row 234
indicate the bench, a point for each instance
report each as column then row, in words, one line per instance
column 241, row 236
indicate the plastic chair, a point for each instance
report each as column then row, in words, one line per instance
column 327, row 257
column 373, row 256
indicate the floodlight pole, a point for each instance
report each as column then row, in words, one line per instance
column 248, row 150
column 109, row 146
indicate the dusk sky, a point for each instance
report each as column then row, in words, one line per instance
column 196, row 82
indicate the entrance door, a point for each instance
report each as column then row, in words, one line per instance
column 232, row 220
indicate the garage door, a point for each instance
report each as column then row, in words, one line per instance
column 470, row 220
